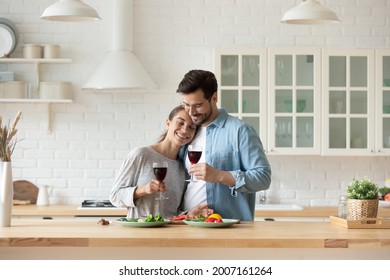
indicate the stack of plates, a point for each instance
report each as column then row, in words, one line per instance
column 8, row 37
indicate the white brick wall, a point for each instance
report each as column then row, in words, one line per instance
column 91, row 137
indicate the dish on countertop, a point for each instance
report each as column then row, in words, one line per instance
column 384, row 203
column 142, row 224
column 8, row 37
column 225, row 223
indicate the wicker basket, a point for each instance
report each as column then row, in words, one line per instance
column 359, row 209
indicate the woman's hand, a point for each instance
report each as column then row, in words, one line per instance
column 153, row 186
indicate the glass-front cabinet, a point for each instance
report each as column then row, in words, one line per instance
column 382, row 126
column 309, row 101
column 294, row 101
column 241, row 74
column 348, row 102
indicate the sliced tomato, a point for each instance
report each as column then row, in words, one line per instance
column 210, row 220
column 213, row 220
column 179, row 218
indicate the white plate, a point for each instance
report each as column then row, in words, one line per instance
column 225, row 223
column 383, row 203
column 9, row 37
column 7, row 40
column 142, row 224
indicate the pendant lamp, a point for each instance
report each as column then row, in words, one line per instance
column 310, row 12
column 70, row 10
column 120, row 69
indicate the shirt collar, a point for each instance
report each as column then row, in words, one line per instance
column 220, row 119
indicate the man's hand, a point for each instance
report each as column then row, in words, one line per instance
column 200, row 209
column 205, row 172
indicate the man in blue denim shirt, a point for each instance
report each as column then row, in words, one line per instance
column 233, row 166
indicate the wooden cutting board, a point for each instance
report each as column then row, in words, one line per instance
column 25, row 191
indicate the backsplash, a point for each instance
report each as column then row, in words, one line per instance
column 91, row 136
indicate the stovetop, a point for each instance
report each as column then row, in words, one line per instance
column 97, row 204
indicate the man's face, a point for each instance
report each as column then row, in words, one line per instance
column 199, row 108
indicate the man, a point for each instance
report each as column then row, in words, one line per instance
column 233, row 165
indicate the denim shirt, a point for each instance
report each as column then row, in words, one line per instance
column 233, row 145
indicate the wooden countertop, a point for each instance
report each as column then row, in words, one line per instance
column 73, row 210
column 88, row 233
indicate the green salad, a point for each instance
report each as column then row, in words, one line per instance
column 200, row 218
column 150, row 218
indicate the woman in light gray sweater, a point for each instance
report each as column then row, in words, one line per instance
column 136, row 187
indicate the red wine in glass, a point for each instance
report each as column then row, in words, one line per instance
column 194, row 154
column 160, row 171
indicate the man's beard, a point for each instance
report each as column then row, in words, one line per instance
column 205, row 117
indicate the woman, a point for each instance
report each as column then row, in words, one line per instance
column 136, row 187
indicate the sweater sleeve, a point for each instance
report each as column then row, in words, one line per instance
column 122, row 193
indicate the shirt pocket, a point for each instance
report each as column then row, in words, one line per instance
column 226, row 160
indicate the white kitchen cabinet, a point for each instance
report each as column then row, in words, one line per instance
column 294, row 101
column 310, row 101
column 242, row 80
column 348, row 96
column 382, row 124
column 48, row 217
column 292, row 219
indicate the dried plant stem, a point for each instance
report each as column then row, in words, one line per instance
column 7, row 138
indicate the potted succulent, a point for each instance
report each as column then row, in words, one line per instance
column 362, row 199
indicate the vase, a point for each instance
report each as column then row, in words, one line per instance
column 359, row 209
column 6, row 193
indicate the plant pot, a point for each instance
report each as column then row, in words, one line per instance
column 359, row 209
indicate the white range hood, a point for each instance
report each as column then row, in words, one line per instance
column 120, row 69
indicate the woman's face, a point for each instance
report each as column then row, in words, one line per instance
column 181, row 130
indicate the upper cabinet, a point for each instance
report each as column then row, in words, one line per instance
column 242, row 86
column 382, row 124
column 310, row 101
column 348, row 102
column 294, row 101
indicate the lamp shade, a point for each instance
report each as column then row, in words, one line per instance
column 70, row 10
column 310, row 12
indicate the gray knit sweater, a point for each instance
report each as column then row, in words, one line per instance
column 137, row 170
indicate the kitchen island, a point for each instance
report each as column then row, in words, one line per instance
column 74, row 211
column 86, row 239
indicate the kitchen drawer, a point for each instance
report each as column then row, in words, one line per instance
column 39, row 217
column 293, row 219
column 97, row 218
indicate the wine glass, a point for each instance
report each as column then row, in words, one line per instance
column 194, row 154
column 160, row 171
